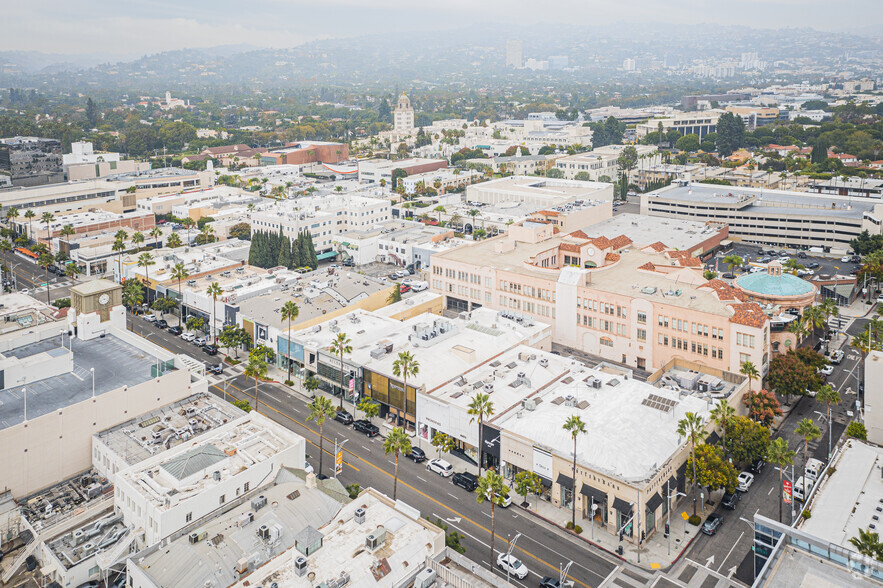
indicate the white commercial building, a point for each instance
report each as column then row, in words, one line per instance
column 603, row 161
column 393, row 242
column 686, row 123
column 540, row 192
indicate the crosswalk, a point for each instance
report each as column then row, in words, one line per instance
column 230, row 371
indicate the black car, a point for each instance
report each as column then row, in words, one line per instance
column 216, row 369
column 813, row 265
column 730, row 501
column 466, row 481
column 757, row 466
column 343, row 417
column 802, row 255
column 210, row 349
column 161, row 324
column 550, row 582
column 729, row 276
column 417, row 454
column 712, row 524
column 176, row 330
column 363, row 426
column 31, row 563
column 393, row 276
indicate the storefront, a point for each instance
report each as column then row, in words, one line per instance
column 623, row 515
column 397, row 407
column 490, row 438
column 594, row 500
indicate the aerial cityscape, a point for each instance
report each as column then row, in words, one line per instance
column 472, row 296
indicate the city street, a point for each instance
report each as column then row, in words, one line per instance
column 29, row 275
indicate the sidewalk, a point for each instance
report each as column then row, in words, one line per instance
column 654, row 552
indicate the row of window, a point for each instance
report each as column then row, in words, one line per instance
column 745, row 340
column 690, row 327
column 692, row 346
column 605, row 308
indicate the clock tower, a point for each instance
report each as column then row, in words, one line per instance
column 96, row 307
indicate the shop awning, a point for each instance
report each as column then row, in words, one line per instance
column 622, row 506
column 672, row 485
column 565, row 481
column 682, row 477
column 326, row 255
column 654, row 502
column 593, row 494
column 545, row 481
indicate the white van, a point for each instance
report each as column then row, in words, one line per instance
column 801, row 488
column 419, row 286
column 814, row 469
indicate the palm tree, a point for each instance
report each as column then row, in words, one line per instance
column 67, row 231
column 868, row 544
column 810, row 432
column 455, row 220
column 793, row 265
column 492, row 487
column 732, row 260
column 289, row 313
column 748, row 370
column 156, row 233
column 146, row 260
column 12, row 214
column 777, row 453
column 321, row 409
column 829, row 308
column 691, row 426
column 121, row 235
column 813, row 318
column 207, row 233
column 137, row 238
column 340, row 345
column 179, row 272
column 829, row 396
column 721, row 415
column 188, row 222
column 256, row 368
column 119, row 247
column 44, row 261
column 214, row 290
column 71, row 271
column 576, row 427
column 396, row 442
column 133, row 295
column 798, row 329
column 47, row 218
column 30, row 214
column 480, row 408
column 473, row 212
column 173, row 241
column 404, row 367
column 439, row 209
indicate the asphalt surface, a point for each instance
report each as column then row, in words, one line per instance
column 751, row 253
column 29, row 275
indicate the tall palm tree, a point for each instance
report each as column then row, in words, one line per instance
column 868, row 544
column 289, row 313
column 810, row 432
column 492, row 487
column 829, row 308
column 256, row 368
column 829, row 396
column 173, row 241
column 321, row 410
column 404, row 367
column 12, row 214
column 473, row 212
column 214, row 290
column 480, row 408
column 44, row 261
column 137, row 239
column 749, row 370
column 179, row 272
column 30, row 214
column 119, row 246
column 47, row 218
column 207, row 233
column 340, row 346
column 732, row 260
column 71, row 271
column 188, row 223
column 133, row 295
column 67, row 231
column 146, row 260
column 396, row 442
column 439, row 209
column 813, row 318
column 777, row 453
column 691, row 426
column 156, row 233
column 576, row 427
column 721, row 415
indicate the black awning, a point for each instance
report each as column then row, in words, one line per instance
column 654, row 502
column 545, row 481
column 593, row 494
column 622, row 506
column 713, row 438
column 672, row 485
column 565, row 481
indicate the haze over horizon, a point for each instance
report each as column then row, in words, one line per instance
column 153, row 26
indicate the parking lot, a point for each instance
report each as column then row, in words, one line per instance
column 819, row 264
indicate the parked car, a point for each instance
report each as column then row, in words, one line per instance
column 393, row 276
column 440, row 467
column 802, row 255
column 343, row 417
column 511, row 564
column 504, row 501
column 827, row 370
column 188, row 337
column 846, row 259
column 712, row 523
column 756, row 466
column 729, row 276
column 465, row 480
column 550, row 582
column 363, row 426
column 199, row 341
column 813, row 265
column 210, row 349
column 24, row 291
column 745, row 481
column 404, row 289
column 149, row 318
column 836, row 356
column 161, row 323
column 730, row 501
column 417, row 454
column 176, row 330
column 213, row 368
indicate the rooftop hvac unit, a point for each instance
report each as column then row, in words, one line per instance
column 258, row 503
column 529, row 404
column 79, row 537
column 264, row 532
column 300, row 566
column 360, row 516
column 275, row 532
column 245, row 519
column 376, row 539
column 544, row 362
column 570, row 400
column 216, row 476
column 242, row 566
column 488, row 388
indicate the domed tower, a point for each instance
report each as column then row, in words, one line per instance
column 403, row 115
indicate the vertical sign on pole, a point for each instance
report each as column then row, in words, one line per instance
column 338, row 462
column 786, row 491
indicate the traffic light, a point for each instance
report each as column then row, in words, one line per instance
column 620, row 536
column 667, row 529
column 643, row 536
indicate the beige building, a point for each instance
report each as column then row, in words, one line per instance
column 686, row 123
column 603, row 161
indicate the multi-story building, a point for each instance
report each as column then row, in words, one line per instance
column 639, row 304
column 698, row 123
column 31, row 161
column 306, row 152
column 537, row 130
column 395, row 242
column 373, row 170
column 603, row 161
column 403, row 116
column 83, row 163
column 539, row 192
column 514, row 54
column 441, row 180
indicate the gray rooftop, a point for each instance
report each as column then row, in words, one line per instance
column 116, row 364
column 644, row 230
column 193, row 461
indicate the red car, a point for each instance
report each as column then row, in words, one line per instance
column 404, row 288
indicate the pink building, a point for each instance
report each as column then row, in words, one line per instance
column 638, row 305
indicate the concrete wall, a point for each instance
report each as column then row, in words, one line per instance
column 873, row 410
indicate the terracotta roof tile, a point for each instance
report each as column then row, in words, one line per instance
column 723, row 290
column 574, row 247
column 647, row 266
column 620, row 242
column 611, row 257
column 602, row 243
column 749, row 314
column 658, row 247
column 578, row 235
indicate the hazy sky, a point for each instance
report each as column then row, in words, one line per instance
column 150, row 26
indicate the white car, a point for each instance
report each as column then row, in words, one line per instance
column 25, row 291
column 510, row 563
column 200, row 341
column 188, row 337
column 879, row 298
column 845, row 259
column 827, row 370
column 149, row 318
column 504, row 501
column 835, row 356
column 440, row 467
column 745, row 481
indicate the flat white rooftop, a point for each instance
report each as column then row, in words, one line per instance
column 643, row 230
column 535, row 188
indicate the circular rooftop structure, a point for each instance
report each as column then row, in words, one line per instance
column 769, row 285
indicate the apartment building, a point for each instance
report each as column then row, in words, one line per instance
column 441, row 180
column 603, row 161
column 686, row 123
column 638, row 304
column 540, row 192
column 373, row 170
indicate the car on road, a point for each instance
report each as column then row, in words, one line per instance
column 161, row 324
column 199, row 341
column 188, row 337
column 813, row 265
column 728, row 276
column 216, row 369
column 745, row 481
column 836, row 356
column 343, row 417
column 730, row 500
column 511, row 564
column 393, row 276
column 404, row 288
column 756, row 466
column 363, row 426
column 25, row 291
column 440, row 467
column 827, row 370
column 465, row 480
column 712, row 524
column 802, row 255
column 846, row 259
column 417, row 454
column 149, row 318
column 503, row 501
column 176, row 330
column 210, row 349
column 550, row 582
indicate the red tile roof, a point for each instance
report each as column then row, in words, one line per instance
column 658, row 247
column 611, row 257
column 602, row 243
column 723, row 290
column 579, row 235
column 573, row 247
column 647, row 266
column 749, row 314
column 620, row 242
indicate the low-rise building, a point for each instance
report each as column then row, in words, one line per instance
column 306, row 152
column 441, row 180
column 603, row 161
column 85, row 223
column 540, row 192
column 686, row 123
column 83, row 163
column 371, row 171
column 575, row 214
column 31, row 161
column 402, row 243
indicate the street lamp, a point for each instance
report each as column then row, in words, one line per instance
column 92, row 369
column 338, row 447
column 25, row 392
column 668, row 514
column 824, row 417
column 509, row 552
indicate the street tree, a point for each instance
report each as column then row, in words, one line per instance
column 721, row 415
column 691, row 426
column 404, row 367
column 133, row 295
column 576, row 427
column 763, row 406
column 369, row 407
column 340, row 346
column 527, row 483
column 788, row 376
column 749, row 370
column 179, row 273
column 828, row 395
column 289, row 313
column 443, row 443
column 397, row 441
column 492, row 487
column 146, row 260
column 713, row 471
column 256, row 368
column 479, row 409
column 781, row 456
column 214, row 290
column 321, row 409
column 733, row 261
column 810, row 432
column 747, row 440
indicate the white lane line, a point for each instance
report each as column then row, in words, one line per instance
column 452, row 496
column 365, row 448
column 730, row 551
column 771, row 491
column 422, row 480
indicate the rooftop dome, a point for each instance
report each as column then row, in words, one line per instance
column 766, row 284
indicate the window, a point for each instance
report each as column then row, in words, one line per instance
column 642, row 318
column 642, row 335
column 188, row 517
column 607, row 341
column 743, row 357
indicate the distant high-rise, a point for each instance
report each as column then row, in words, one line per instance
column 629, row 65
column 514, row 54
column 403, row 115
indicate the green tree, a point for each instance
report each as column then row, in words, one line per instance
column 30, row 214
column 133, row 295
column 527, row 483
column 712, row 469
column 256, row 368
column 781, row 456
column 48, row 218
column 709, row 274
column 733, row 261
column 137, row 239
column 443, row 443
column 241, row 231
column 179, row 273
column 583, row 176
column 45, row 260
column 828, row 395
column 810, row 432
column 554, row 173
column 789, row 376
column 321, row 410
column 479, row 409
column 340, row 346
column 721, row 415
column 576, row 427
column 146, row 260
column 492, row 487
column 396, row 442
column 746, row 440
column 868, row 544
column 749, row 370
column 195, row 323
column 397, row 174
column 730, row 133
column 92, row 113
column 405, row 366
column 691, row 426
column 689, row 142
column 65, row 233
column 72, row 270
column 440, row 210
column 763, row 406
column 370, row 408
column 857, row 430
column 395, row 294
column 289, row 312
column 214, row 290
column 173, row 241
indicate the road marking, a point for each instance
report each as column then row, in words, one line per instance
column 422, row 479
column 771, row 491
column 365, row 448
column 730, row 552
column 452, row 496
